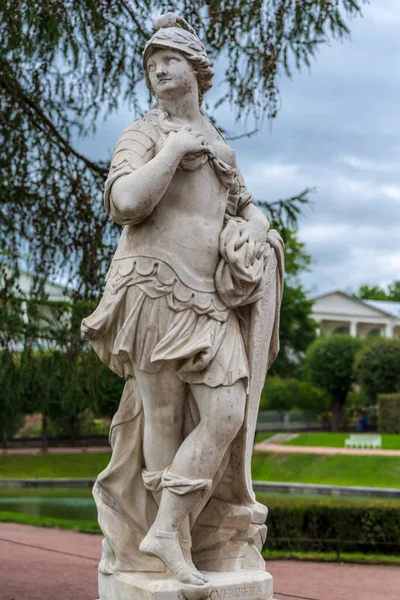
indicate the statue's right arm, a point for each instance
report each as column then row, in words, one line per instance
column 138, row 179
column 135, row 195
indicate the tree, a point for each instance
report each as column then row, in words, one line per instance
column 297, row 329
column 329, row 365
column 289, row 394
column 377, row 368
column 65, row 63
column 374, row 292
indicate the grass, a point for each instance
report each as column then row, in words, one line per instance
column 279, row 500
column 348, row 557
column 262, row 436
column 39, row 492
column 93, row 527
column 83, row 526
column 336, row 440
column 373, row 471
column 57, row 466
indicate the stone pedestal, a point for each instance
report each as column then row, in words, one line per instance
column 240, row 585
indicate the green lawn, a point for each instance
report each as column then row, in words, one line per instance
column 347, row 557
column 336, row 440
column 273, row 500
column 59, row 466
column 375, row 471
column 83, row 526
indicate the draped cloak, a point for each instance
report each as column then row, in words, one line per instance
column 228, row 524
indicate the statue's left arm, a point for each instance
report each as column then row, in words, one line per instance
column 256, row 225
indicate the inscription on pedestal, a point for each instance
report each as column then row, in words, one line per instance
column 245, row 591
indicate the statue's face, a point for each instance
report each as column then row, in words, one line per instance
column 170, row 74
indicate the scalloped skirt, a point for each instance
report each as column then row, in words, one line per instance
column 147, row 318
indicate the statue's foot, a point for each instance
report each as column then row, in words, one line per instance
column 165, row 545
column 186, row 546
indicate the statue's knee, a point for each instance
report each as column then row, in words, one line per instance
column 234, row 421
column 165, row 417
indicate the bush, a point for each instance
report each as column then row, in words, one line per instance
column 378, row 368
column 288, row 394
column 389, row 413
column 329, row 365
column 324, row 527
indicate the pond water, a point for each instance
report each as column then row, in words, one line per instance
column 76, row 504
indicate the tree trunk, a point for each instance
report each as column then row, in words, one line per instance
column 336, row 415
column 44, row 437
column 72, row 429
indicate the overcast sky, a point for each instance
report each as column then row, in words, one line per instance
column 338, row 130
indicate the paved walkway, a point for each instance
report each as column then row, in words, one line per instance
column 268, row 447
column 48, row 564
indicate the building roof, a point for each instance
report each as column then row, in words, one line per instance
column 387, row 306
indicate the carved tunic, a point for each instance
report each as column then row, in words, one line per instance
column 161, row 303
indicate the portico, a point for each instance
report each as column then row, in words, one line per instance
column 338, row 312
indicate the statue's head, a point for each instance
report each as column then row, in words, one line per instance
column 174, row 35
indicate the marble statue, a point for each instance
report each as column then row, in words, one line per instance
column 189, row 318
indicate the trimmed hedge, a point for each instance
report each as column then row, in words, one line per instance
column 326, row 527
column 389, row 413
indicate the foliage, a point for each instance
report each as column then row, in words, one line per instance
column 297, row 328
column 329, row 365
column 389, row 413
column 324, row 527
column 377, row 368
column 47, row 367
column 374, row 292
column 66, row 64
column 288, row 394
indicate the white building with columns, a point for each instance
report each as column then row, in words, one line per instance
column 338, row 312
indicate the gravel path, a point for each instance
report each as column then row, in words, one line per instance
column 267, row 447
column 49, row 564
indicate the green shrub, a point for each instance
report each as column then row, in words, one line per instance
column 289, row 394
column 324, row 527
column 377, row 368
column 329, row 365
column 389, row 413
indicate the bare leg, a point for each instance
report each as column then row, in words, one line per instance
column 163, row 396
column 221, row 416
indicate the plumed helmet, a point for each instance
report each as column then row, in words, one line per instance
column 171, row 31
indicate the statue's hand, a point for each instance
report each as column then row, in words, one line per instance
column 187, row 141
column 255, row 233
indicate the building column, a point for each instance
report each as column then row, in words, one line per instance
column 353, row 328
column 389, row 330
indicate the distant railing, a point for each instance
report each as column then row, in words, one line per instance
column 293, row 420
